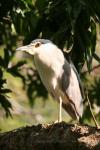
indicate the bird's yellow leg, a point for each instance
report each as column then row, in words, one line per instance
column 60, row 110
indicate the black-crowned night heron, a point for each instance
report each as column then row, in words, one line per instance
column 58, row 75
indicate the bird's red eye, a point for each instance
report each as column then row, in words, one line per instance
column 37, row 44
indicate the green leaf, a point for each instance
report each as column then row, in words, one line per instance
column 6, row 105
column 2, row 82
column 6, row 57
column 1, row 61
column 96, row 57
column 4, row 91
column 14, row 70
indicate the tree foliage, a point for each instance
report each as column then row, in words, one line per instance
column 69, row 24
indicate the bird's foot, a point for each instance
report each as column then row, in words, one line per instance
column 58, row 121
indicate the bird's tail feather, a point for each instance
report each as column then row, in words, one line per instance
column 71, row 111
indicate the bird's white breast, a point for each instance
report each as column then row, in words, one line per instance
column 49, row 63
column 45, row 72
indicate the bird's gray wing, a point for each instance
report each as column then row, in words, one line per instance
column 70, row 86
column 78, row 77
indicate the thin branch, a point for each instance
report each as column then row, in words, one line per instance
column 95, row 67
column 8, row 19
column 94, row 119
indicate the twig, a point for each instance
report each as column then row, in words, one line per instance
column 7, row 19
column 95, row 67
column 94, row 119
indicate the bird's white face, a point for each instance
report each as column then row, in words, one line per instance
column 39, row 47
column 32, row 48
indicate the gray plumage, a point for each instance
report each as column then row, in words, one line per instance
column 43, row 41
column 58, row 75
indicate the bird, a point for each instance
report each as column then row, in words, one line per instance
column 58, row 75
